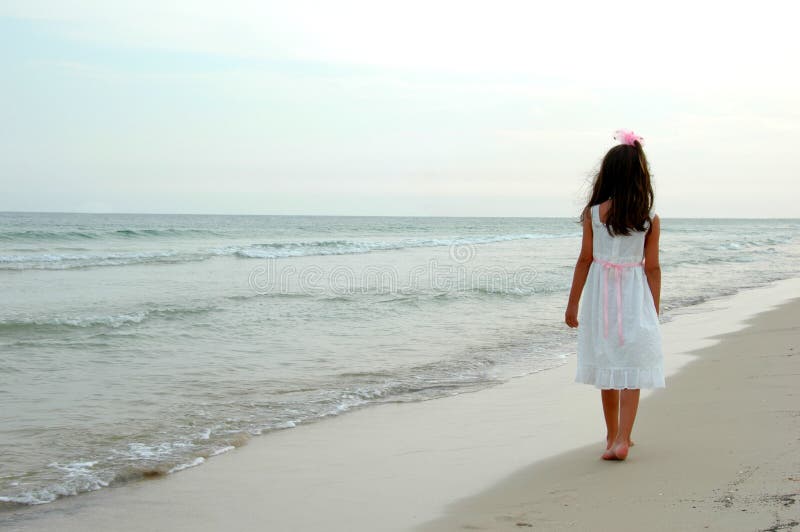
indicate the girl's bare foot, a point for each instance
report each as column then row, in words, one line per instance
column 618, row 452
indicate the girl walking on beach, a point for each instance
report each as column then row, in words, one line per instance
column 619, row 340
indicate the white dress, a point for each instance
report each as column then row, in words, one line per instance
column 619, row 337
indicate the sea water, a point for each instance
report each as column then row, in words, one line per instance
column 134, row 345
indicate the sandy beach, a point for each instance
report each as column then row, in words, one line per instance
column 716, row 450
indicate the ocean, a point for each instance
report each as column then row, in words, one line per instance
column 136, row 345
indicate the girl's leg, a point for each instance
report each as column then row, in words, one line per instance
column 628, row 404
column 611, row 412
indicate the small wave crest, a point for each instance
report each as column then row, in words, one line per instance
column 112, row 321
column 274, row 250
column 66, row 261
column 38, row 235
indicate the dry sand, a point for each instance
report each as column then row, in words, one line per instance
column 718, row 448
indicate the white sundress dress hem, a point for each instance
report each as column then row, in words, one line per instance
column 621, row 378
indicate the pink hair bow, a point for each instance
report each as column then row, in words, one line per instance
column 626, row 136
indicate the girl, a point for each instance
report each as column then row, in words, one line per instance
column 619, row 340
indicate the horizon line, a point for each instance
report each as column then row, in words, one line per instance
column 384, row 215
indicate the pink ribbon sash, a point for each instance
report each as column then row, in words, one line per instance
column 617, row 267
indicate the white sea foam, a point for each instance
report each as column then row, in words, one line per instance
column 136, row 451
column 196, row 462
column 77, row 477
column 222, row 450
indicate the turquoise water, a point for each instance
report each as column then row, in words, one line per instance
column 143, row 344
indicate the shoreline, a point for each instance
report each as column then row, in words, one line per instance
column 397, row 466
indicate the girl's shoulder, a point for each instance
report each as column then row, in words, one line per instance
column 600, row 210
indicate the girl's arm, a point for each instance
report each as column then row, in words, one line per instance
column 652, row 269
column 581, row 271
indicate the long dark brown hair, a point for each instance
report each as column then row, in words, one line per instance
column 624, row 177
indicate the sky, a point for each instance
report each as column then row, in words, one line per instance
column 435, row 108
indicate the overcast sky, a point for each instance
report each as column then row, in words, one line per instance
column 443, row 108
